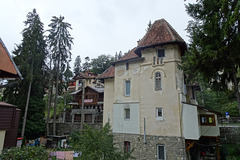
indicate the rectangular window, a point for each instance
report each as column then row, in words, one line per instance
column 159, row 113
column 126, row 147
column 160, row 152
column 127, row 66
column 161, row 53
column 207, row 119
column 127, row 113
column 127, row 88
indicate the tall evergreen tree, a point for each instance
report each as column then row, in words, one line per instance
column 77, row 65
column 60, row 42
column 215, row 38
column 29, row 57
column 86, row 66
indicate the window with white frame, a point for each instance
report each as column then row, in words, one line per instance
column 127, row 113
column 161, row 155
column 159, row 113
column 158, row 81
column 127, row 88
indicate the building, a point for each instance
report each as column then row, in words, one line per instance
column 148, row 105
column 93, row 105
column 9, row 114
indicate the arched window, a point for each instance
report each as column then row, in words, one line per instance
column 158, row 83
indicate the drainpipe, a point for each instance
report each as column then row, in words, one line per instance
column 181, row 128
column 144, row 128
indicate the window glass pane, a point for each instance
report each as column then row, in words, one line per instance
column 158, row 85
column 127, row 113
column 127, row 88
column 159, row 110
column 210, row 119
column 161, row 53
column 126, row 147
column 160, row 152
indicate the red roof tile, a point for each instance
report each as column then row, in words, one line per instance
column 84, row 75
column 108, row 73
column 161, row 32
column 131, row 54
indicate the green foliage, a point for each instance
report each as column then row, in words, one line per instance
column 230, row 151
column 25, row 153
column 60, row 107
column 214, row 43
column 101, row 63
column 96, row 144
column 77, row 65
column 221, row 101
column 30, row 53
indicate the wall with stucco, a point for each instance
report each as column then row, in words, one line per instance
column 122, row 125
column 108, row 101
column 141, row 76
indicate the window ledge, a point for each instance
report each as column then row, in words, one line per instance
column 159, row 119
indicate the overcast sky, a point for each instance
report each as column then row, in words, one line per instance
column 99, row 26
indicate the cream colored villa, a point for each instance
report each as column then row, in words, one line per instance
column 148, row 105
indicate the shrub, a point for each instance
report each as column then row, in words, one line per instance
column 25, row 153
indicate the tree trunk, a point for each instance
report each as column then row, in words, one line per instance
column 49, row 98
column 236, row 87
column 56, row 97
column 82, row 108
column 28, row 98
column 26, row 108
column 49, row 105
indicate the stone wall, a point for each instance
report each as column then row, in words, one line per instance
column 230, row 134
column 174, row 146
column 68, row 127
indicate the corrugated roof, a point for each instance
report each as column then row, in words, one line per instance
column 160, row 33
column 99, row 90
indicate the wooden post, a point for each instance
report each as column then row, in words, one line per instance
column 82, row 109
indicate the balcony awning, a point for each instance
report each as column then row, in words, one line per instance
column 75, row 92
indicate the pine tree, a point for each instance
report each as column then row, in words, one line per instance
column 215, row 38
column 30, row 57
column 60, row 42
column 77, row 65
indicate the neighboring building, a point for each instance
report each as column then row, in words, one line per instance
column 147, row 104
column 9, row 114
column 75, row 83
column 93, row 105
column 9, row 122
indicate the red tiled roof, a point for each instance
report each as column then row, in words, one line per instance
column 108, row 73
column 161, row 32
column 131, row 54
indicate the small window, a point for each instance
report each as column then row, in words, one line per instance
column 160, row 152
column 159, row 113
column 154, row 60
column 126, row 147
column 127, row 113
column 158, row 83
column 127, row 66
column 207, row 119
column 127, row 88
column 161, row 53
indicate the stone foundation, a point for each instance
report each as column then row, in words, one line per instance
column 174, row 146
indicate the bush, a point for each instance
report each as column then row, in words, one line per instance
column 25, row 153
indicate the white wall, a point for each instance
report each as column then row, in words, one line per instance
column 122, row 125
column 190, row 122
column 2, row 137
